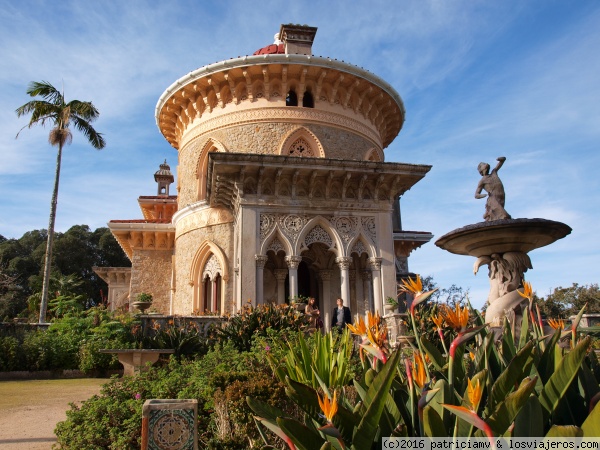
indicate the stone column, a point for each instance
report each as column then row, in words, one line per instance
column 375, row 264
column 353, row 303
column 261, row 260
column 367, row 290
column 293, row 262
column 237, row 299
column 326, row 306
column 344, row 264
column 280, row 275
column 215, row 290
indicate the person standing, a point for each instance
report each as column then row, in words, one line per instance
column 312, row 313
column 341, row 315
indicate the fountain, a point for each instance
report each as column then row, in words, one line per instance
column 502, row 243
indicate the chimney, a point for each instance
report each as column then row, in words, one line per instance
column 298, row 39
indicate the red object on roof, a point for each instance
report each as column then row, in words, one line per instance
column 271, row 50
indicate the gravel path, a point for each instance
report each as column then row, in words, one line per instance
column 30, row 410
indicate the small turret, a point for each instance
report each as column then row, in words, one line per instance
column 164, row 178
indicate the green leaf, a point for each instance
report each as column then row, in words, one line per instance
column 530, row 419
column 512, row 375
column 506, row 411
column 524, row 334
column 545, row 367
column 302, row 436
column 591, row 426
column 432, row 423
column 508, row 342
column 559, row 382
column 364, row 434
column 434, row 354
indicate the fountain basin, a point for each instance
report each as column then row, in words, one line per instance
column 501, row 236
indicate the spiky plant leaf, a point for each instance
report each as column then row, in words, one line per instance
column 530, row 419
column 506, row 411
column 507, row 380
column 302, row 436
column 375, row 400
column 559, row 381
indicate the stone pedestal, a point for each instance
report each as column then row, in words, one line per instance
column 170, row 425
column 396, row 324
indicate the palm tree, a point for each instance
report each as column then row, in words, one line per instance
column 55, row 110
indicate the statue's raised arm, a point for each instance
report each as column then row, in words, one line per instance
column 490, row 182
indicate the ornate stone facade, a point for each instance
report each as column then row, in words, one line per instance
column 282, row 187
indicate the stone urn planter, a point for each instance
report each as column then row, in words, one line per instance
column 142, row 306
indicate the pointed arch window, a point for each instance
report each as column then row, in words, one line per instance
column 307, row 100
column 291, row 99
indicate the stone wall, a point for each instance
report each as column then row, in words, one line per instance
column 263, row 138
column 152, row 274
column 188, row 245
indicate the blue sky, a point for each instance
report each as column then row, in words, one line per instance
column 479, row 79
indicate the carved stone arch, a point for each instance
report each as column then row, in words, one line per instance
column 325, row 94
column 285, row 188
column 204, row 252
column 226, row 95
column 210, row 262
column 359, row 245
column 258, row 88
column 276, row 90
column 311, row 230
column 301, row 142
column 250, row 185
column 269, row 243
column 212, row 145
column 241, row 91
column 374, row 154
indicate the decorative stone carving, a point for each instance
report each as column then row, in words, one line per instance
column 261, row 260
column 325, row 274
column 292, row 224
column 345, row 226
column 275, row 246
column 293, row 261
column 301, row 148
column 318, row 234
column 359, row 248
column 343, row 262
column 212, row 268
column 280, row 274
column 267, row 222
column 375, row 263
column 368, row 224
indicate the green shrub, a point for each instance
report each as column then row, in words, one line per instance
column 11, row 355
column 251, row 322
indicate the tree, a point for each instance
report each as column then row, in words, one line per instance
column 566, row 302
column 60, row 114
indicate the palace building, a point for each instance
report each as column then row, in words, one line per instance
column 282, row 188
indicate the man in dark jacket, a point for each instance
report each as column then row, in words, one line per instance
column 341, row 315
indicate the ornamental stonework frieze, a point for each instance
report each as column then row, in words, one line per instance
column 292, row 225
column 318, row 234
column 370, row 228
column 359, row 248
column 347, row 227
column 279, row 114
column 212, row 268
column 267, row 223
column 275, row 246
column 202, row 218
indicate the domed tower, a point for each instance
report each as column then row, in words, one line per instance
column 282, row 186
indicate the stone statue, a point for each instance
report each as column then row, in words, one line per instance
column 490, row 182
column 506, row 274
